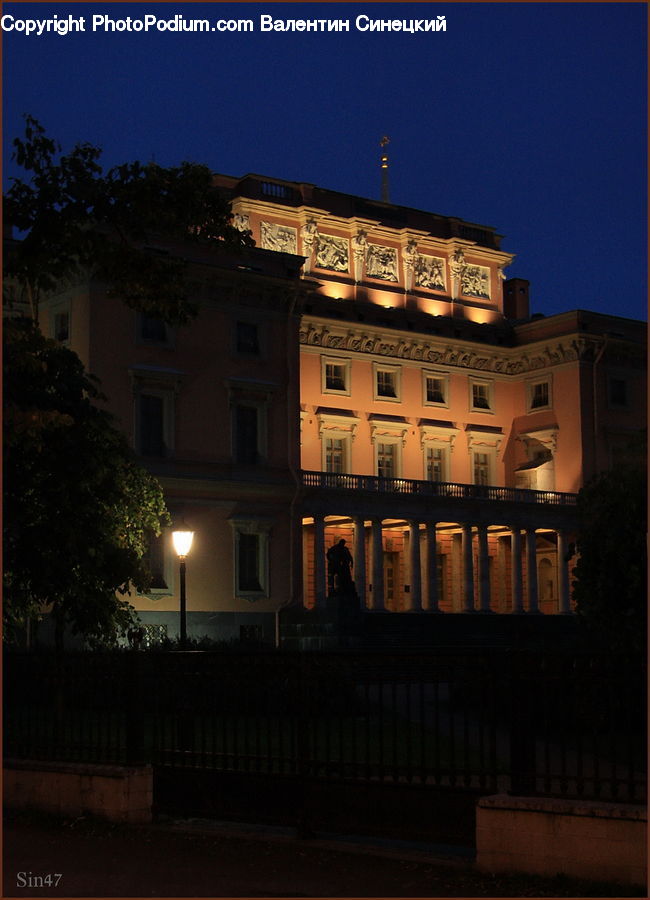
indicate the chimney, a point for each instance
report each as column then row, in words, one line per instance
column 516, row 299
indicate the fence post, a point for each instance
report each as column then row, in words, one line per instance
column 132, row 686
column 302, row 695
column 522, row 727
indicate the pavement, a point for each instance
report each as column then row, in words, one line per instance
column 201, row 858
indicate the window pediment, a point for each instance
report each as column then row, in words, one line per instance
column 389, row 426
column 484, row 435
column 340, row 420
column 438, row 433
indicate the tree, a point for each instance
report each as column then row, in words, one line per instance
column 610, row 589
column 74, row 219
column 78, row 510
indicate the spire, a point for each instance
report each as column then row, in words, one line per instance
column 384, row 170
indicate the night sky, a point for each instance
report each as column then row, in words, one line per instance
column 530, row 117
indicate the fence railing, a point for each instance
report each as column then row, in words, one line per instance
column 449, row 489
column 557, row 725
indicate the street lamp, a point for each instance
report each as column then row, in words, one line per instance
column 182, row 538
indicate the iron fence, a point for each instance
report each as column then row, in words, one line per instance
column 568, row 725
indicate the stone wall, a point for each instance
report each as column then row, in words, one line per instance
column 116, row 793
column 595, row 840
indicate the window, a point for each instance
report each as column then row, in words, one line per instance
column 247, row 338
column 250, row 408
column 538, row 394
column 335, row 375
column 617, row 392
column 481, row 399
column 481, row 468
column 155, row 390
column 249, row 563
column 62, row 326
column 386, row 460
column 246, row 434
column 336, row 454
column 387, row 382
column 435, row 390
column 151, row 434
column 251, row 558
column 159, row 562
column 152, row 330
column 436, row 468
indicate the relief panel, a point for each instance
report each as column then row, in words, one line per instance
column 381, row 262
column 475, row 282
column 333, row 253
column 430, row 273
column 281, row 238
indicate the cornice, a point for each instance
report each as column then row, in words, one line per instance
column 454, row 354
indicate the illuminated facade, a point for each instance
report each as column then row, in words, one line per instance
column 396, row 393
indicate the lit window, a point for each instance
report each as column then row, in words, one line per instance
column 481, row 395
column 436, row 468
column 435, row 389
column 481, row 468
column 386, row 384
column 386, row 460
column 335, row 375
column 540, row 395
column 247, row 338
column 335, row 454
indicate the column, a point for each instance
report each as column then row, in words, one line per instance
column 433, row 600
column 359, row 570
column 531, row 565
column 415, row 597
column 484, row 570
column 563, row 573
column 468, row 570
column 377, row 602
column 503, row 550
column 517, row 599
column 320, row 589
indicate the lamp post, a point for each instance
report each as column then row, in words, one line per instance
column 182, row 538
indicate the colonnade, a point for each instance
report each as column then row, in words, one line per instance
column 422, row 574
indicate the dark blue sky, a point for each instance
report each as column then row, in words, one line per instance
column 530, row 117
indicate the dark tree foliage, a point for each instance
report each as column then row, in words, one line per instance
column 610, row 590
column 75, row 219
column 78, row 509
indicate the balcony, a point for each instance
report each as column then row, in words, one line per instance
column 448, row 489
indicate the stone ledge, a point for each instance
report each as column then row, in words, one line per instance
column 562, row 807
column 73, row 768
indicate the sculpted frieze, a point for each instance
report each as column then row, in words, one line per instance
column 458, row 357
column 381, row 262
column 281, row 238
column 475, row 282
column 333, row 253
column 430, row 273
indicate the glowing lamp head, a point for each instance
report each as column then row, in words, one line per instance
column 182, row 541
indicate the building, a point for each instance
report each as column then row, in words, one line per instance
column 367, row 372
